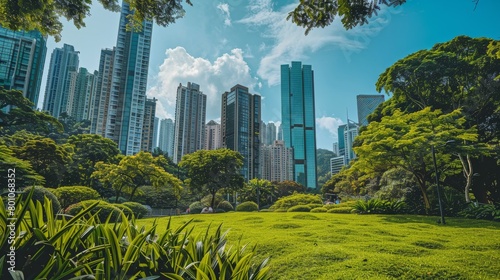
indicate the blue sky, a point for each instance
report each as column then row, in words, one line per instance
column 222, row 43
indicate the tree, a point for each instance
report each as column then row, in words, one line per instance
column 462, row 73
column 209, row 171
column 44, row 15
column 16, row 112
column 46, row 157
column 258, row 190
column 321, row 13
column 404, row 141
column 133, row 172
column 286, row 187
column 323, row 157
column 88, row 150
column 22, row 169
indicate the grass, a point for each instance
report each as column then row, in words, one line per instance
column 348, row 246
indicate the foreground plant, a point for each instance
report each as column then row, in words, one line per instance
column 81, row 247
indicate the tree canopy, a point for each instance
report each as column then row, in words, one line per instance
column 45, row 15
column 212, row 170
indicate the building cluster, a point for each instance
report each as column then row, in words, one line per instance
column 113, row 100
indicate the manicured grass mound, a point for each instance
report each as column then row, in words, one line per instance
column 73, row 194
column 138, row 209
column 326, row 246
column 247, row 206
column 286, row 202
column 103, row 209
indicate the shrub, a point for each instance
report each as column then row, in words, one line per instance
column 73, row 194
column 104, row 208
column 481, row 211
column 40, row 192
column 247, row 206
column 341, row 210
column 225, row 205
column 196, row 207
column 299, row 208
column 138, row 209
column 47, row 250
column 319, row 210
column 112, row 199
column 296, row 199
column 315, row 205
column 206, row 200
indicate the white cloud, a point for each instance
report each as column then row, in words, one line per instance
column 214, row 79
column 290, row 43
column 224, row 8
column 329, row 124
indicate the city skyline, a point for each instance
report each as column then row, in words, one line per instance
column 246, row 43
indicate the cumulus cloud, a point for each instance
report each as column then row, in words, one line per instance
column 329, row 124
column 224, row 8
column 214, row 79
column 290, row 43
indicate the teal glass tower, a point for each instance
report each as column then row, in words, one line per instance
column 298, row 120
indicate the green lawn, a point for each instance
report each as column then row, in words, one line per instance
column 348, row 246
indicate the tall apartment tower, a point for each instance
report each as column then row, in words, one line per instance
column 366, row 105
column 190, row 114
column 82, row 87
column 22, row 58
column 100, row 101
column 63, row 64
column 212, row 136
column 270, row 133
column 276, row 162
column 148, row 125
column 127, row 96
column 166, row 139
column 298, row 120
column 156, row 129
column 241, row 121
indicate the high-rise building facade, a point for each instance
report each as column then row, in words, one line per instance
column 347, row 133
column 82, row 87
column 190, row 114
column 156, row 129
column 148, row 125
column 276, row 162
column 270, row 133
column 298, row 120
column 63, row 66
column 22, row 58
column 127, row 96
column 212, row 136
column 166, row 139
column 366, row 105
column 100, row 101
column 240, row 125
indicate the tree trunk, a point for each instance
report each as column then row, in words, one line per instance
column 423, row 189
column 468, row 174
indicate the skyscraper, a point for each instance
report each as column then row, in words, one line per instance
column 63, row 65
column 22, row 58
column 127, row 95
column 148, row 125
column 166, row 139
column 270, row 133
column 212, row 136
column 276, row 162
column 366, row 105
column 190, row 113
column 298, row 120
column 100, row 101
column 347, row 133
column 156, row 129
column 241, row 121
column 80, row 94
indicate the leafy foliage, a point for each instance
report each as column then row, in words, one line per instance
column 481, row 211
column 80, row 247
column 24, row 173
column 40, row 193
column 377, row 206
column 73, row 194
column 138, row 209
column 212, row 170
column 196, row 207
column 103, row 210
column 247, row 206
column 299, row 208
column 285, row 203
column 321, row 13
column 225, row 205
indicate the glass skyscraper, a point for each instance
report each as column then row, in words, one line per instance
column 63, row 64
column 298, row 120
column 366, row 105
column 241, row 120
column 127, row 99
column 22, row 58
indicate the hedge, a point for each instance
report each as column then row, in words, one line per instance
column 73, row 194
column 247, row 206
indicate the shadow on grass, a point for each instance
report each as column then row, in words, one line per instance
column 434, row 220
